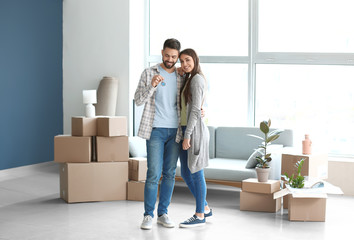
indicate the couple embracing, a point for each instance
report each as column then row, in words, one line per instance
column 173, row 127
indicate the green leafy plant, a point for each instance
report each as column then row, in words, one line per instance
column 265, row 157
column 298, row 181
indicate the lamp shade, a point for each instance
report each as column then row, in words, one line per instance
column 89, row 96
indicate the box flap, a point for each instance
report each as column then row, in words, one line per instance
column 307, row 192
column 326, row 187
column 309, row 195
column 281, row 193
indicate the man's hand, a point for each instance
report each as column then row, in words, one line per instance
column 186, row 144
column 180, row 71
column 156, row 80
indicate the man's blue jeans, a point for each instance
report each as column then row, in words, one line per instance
column 162, row 156
column 195, row 181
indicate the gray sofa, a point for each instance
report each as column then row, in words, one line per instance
column 231, row 150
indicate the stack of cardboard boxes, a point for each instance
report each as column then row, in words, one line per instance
column 302, row 206
column 258, row 196
column 94, row 160
column 137, row 177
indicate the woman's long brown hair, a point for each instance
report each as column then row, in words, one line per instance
column 196, row 70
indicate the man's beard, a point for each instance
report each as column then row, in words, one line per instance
column 167, row 66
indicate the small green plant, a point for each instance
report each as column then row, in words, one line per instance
column 298, row 181
column 268, row 138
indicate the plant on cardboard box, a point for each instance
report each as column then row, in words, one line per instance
column 298, row 181
column 265, row 157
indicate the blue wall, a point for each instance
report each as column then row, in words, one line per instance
column 31, row 105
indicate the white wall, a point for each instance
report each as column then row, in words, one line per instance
column 340, row 173
column 95, row 44
column 138, row 32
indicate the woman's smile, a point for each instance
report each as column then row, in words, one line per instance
column 187, row 63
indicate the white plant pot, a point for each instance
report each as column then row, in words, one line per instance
column 262, row 174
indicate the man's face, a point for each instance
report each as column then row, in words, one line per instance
column 169, row 57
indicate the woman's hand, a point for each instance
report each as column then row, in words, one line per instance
column 186, row 144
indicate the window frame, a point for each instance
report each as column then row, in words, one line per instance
column 255, row 57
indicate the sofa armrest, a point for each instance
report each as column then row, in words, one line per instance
column 137, row 147
column 275, row 165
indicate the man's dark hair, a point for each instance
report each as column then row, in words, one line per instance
column 172, row 43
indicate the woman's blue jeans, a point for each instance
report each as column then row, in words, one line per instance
column 162, row 157
column 195, row 181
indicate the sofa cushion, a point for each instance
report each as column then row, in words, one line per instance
column 234, row 143
column 137, row 147
column 211, row 142
column 226, row 170
column 252, row 161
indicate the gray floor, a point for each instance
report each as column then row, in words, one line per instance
column 30, row 208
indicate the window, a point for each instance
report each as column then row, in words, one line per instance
column 211, row 28
column 306, row 26
column 314, row 99
column 288, row 60
column 227, row 94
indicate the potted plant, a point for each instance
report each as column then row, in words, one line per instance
column 298, row 181
column 262, row 167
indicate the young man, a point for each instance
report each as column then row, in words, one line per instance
column 159, row 89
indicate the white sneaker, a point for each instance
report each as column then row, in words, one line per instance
column 147, row 223
column 165, row 221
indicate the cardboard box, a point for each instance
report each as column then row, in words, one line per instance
column 137, row 169
column 258, row 202
column 285, row 202
column 72, row 149
column 307, row 208
column 285, row 199
column 112, row 126
column 308, row 203
column 112, row 149
column 136, row 190
column 315, row 165
column 252, row 185
column 83, row 126
column 86, row 182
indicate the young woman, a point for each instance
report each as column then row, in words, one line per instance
column 194, row 155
